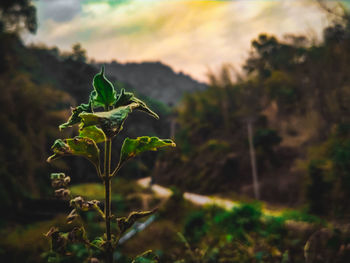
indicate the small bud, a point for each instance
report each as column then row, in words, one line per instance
column 66, row 180
column 92, row 204
column 77, row 201
column 54, row 176
column 56, row 183
column 59, row 180
column 62, row 193
column 83, row 205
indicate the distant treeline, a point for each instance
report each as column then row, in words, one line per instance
column 296, row 93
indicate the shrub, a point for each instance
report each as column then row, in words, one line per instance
column 98, row 127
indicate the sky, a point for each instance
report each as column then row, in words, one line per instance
column 190, row 36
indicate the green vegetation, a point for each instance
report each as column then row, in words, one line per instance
column 246, row 234
column 329, row 175
column 17, row 14
column 98, row 127
column 295, row 93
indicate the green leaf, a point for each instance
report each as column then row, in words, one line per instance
column 99, row 242
column 146, row 257
column 93, row 133
column 77, row 146
column 126, row 98
column 105, row 93
column 74, row 118
column 124, row 223
column 111, row 122
column 133, row 147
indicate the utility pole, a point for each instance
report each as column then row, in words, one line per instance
column 253, row 159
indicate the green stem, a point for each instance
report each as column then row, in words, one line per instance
column 107, row 180
column 116, row 170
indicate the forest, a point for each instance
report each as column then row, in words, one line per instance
column 268, row 145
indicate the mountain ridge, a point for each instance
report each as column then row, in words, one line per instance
column 154, row 79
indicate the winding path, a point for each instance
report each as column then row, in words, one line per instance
column 196, row 199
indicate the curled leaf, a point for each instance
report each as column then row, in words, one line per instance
column 74, row 118
column 105, row 95
column 133, row 147
column 124, row 223
column 83, row 205
column 77, row 201
column 60, row 182
column 111, row 122
column 80, row 204
column 77, row 234
column 77, row 146
column 93, row 133
column 126, row 98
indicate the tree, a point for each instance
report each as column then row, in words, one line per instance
column 17, row 14
column 78, row 53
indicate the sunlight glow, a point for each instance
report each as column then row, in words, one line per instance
column 190, row 36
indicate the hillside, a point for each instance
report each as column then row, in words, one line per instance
column 39, row 85
column 154, row 79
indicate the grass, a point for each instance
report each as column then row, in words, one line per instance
column 25, row 243
column 120, row 186
column 88, row 190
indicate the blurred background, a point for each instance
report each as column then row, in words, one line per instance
column 256, row 95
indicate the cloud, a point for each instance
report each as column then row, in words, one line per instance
column 188, row 35
column 58, row 10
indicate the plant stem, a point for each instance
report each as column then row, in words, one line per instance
column 107, row 180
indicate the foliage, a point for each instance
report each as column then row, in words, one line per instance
column 240, row 220
column 133, row 147
column 295, row 91
column 328, row 174
column 195, row 226
column 78, row 53
column 16, row 13
column 27, row 116
column 266, row 138
column 79, row 146
column 97, row 127
column 301, row 216
column 243, row 234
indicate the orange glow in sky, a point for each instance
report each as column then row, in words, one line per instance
column 190, row 36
